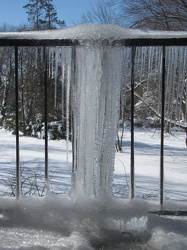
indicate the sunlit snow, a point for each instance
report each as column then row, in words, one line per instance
column 94, row 32
column 58, row 222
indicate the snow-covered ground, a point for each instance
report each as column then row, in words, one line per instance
column 57, row 222
column 147, row 164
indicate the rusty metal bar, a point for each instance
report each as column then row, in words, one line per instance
column 46, row 121
column 154, row 42
column 17, row 126
column 162, row 132
column 14, row 41
column 133, row 50
column 37, row 42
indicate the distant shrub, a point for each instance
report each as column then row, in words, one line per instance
column 32, row 183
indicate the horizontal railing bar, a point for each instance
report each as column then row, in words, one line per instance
column 37, row 42
column 69, row 42
column 169, row 212
column 155, row 42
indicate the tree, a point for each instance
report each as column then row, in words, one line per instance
column 34, row 11
column 101, row 13
column 42, row 15
column 50, row 18
column 7, row 82
column 148, row 15
column 143, row 14
column 7, row 77
column 152, row 14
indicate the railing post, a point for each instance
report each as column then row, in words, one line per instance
column 17, row 126
column 162, row 132
column 133, row 50
column 45, row 123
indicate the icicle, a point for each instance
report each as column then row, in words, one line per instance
column 142, row 64
column 96, row 114
column 36, row 58
column 185, row 83
column 68, row 53
column 56, row 74
column 178, row 87
column 155, row 67
column 149, row 70
column 62, row 82
column 49, row 70
column 159, row 78
column 185, row 114
column 169, row 56
column 149, row 63
column 173, row 89
column 137, row 61
column 41, row 53
column 124, row 82
column 143, row 60
column 52, row 62
column 183, row 77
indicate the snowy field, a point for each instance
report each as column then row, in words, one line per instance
column 147, row 165
column 56, row 222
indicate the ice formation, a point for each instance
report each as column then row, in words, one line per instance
column 98, row 75
column 94, row 78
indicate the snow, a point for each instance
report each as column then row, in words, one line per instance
column 61, row 222
column 94, row 32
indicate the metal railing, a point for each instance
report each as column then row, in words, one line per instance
column 132, row 43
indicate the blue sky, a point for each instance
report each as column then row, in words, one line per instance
column 13, row 13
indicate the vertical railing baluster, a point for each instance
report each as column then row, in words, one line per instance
column 17, row 126
column 133, row 50
column 45, row 122
column 162, row 132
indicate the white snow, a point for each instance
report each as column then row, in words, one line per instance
column 58, row 222
column 95, row 32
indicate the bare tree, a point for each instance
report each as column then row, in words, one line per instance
column 152, row 14
column 144, row 14
column 101, row 13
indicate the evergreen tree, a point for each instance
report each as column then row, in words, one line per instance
column 42, row 15
column 34, row 11
column 50, row 18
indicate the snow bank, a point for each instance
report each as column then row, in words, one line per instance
column 61, row 223
column 94, row 32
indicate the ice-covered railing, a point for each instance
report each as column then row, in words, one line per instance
column 93, row 59
column 104, row 34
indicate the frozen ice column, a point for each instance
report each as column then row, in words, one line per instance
column 98, row 75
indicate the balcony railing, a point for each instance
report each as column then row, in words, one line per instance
column 46, row 40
